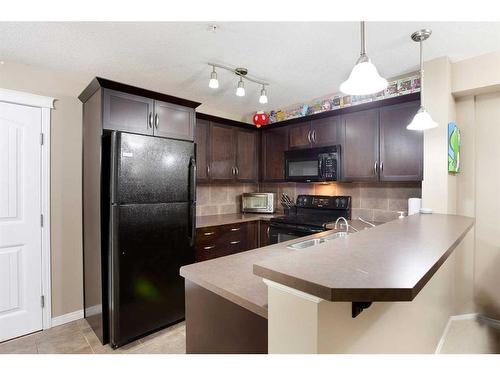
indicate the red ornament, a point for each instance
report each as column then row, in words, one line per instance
column 260, row 118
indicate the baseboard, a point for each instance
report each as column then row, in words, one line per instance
column 66, row 318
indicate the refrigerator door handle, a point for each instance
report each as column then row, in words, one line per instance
column 192, row 199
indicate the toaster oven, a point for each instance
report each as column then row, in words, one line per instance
column 258, row 202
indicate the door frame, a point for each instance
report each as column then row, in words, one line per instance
column 45, row 104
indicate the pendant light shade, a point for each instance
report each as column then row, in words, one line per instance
column 240, row 91
column 422, row 119
column 263, row 95
column 364, row 78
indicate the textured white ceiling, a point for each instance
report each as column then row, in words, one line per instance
column 301, row 61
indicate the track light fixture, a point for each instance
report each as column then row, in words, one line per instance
column 240, row 91
column 263, row 95
column 213, row 83
column 242, row 73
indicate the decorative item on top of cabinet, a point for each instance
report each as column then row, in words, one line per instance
column 401, row 150
column 274, row 144
column 221, row 240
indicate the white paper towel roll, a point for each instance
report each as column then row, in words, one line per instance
column 414, row 205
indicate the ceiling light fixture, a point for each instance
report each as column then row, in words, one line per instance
column 213, row 83
column 364, row 78
column 240, row 91
column 242, row 73
column 422, row 120
column 263, row 95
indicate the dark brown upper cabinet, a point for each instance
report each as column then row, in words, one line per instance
column 136, row 110
column 226, row 153
column 127, row 112
column 359, row 149
column 201, row 139
column 173, row 121
column 401, row 150
column 247, row 161
column 299, row 136
column 315, row 133
column 274, row 144
column 325, row 131
column 222, row 153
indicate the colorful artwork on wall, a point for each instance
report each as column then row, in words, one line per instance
column 403, row 86
column 453, row 148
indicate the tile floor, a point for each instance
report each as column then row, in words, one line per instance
column 472, row 336
column 78, row 338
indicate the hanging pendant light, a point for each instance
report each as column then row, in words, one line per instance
column 263, row 95
column 214, row 82
column 364, row 78
column 422, row 120
column 240, row 91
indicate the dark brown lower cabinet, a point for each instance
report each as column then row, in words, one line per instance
column 221, row 240
column 263, row 233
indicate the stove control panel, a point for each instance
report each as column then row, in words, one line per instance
column 324, row 201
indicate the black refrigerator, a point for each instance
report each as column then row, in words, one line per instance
column 151, row 232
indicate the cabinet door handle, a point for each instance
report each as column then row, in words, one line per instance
column 157, row 121
column 234, row 242
column 375, row 167
column 208, row 170
column 208, row 233
column 237, row 170
column 268, row 232
column 381, row 166
column 209, row 247
column 235, row 229
column 309, row 136
column 150, row 120
column 314, row 136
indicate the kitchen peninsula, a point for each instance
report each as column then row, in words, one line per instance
column 287, row 301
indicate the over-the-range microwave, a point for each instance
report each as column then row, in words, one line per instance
column 258, row 202
column 313, row 164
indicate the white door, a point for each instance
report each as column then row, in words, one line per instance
column 20, row 227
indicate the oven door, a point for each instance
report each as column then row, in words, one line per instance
column 286, row 232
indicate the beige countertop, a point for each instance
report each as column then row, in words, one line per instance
column 223, row 219
column 232, row 276
column 391, row 262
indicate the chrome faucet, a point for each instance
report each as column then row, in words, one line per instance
column 345, row 221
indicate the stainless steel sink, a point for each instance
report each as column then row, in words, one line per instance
column 316, row 241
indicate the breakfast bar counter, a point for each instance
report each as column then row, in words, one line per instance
column 391, row 262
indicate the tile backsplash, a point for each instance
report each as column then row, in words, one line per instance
column 372, row 201
column 221, row 199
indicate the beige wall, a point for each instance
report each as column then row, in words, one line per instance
column 66, row 213
column 317, row 326
column 438, row 188
column 477, row 75
column 487, row 258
